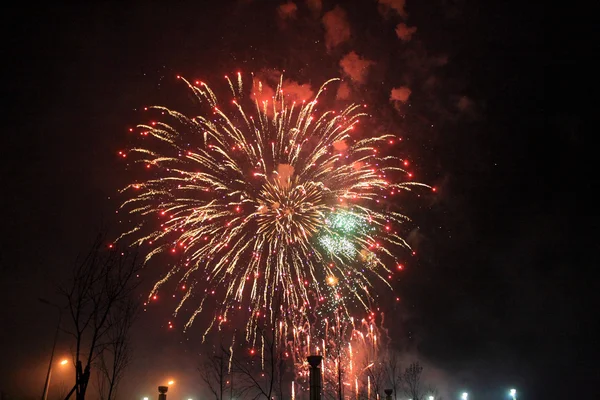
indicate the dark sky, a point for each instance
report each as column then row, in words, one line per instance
column 497, row 295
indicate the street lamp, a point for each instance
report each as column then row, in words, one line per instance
column 513, row 393
column 47, row 383
column 464, row 396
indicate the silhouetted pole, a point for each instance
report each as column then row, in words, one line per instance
column 47, row 383
column 388, row 394
column 162, row 392
column 315, row 377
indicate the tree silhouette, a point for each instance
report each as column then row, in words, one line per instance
column 101, row 284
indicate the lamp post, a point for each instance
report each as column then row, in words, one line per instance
column 315, row 377
column 47, row 383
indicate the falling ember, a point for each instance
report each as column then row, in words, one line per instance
column 252, row 196
column 350, row 364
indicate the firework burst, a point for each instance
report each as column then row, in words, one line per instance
column 271, row 203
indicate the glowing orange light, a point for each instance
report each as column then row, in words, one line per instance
column 64, row 362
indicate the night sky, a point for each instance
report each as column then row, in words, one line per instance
column 496, row 296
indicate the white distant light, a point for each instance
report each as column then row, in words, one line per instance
column 464, row 396
column 430, row 397
column 145, row 398
column 513, row 393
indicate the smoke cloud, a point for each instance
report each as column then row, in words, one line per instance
column 284, row 174
column 287, row 11
column 465, row 104
column 340, row 146
column 337, row 29
column 315, row 6
column 387, row 6
column 294, row 91
column 262, row 92
column 343, row 92
column 401, row 93
column 355, row 67
column 405, row 32
column 468, row 108
column 265, row 82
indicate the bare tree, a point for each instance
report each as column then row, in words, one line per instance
column 393, row 372
column 261, row 374
column 434, row 392
column 412, row 381
column 333, row 384
column 101, row 282
column 117, row 353
column 337, row 353
column 214, row 370
column 61, row 391
column 377, row 374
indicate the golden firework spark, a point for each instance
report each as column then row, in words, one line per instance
column 266, row 200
